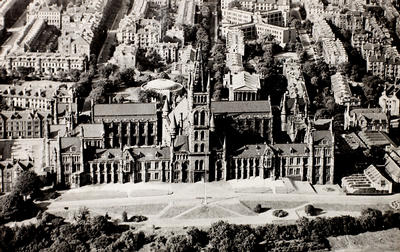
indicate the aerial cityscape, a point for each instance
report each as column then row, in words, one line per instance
column 199, row 125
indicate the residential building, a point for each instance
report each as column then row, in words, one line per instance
column 341, row 90
column 73, row 44
column 333, row 52
column 124, row 56
column 45, row 63
column 168, row 51
column 51, row 14
column 321, row 30
column 390, row 100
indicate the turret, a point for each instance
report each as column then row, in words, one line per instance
column 212, row 123
column 172, row 128
column 165, row 109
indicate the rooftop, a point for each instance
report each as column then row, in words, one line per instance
column 126, row 109
column 222, row 107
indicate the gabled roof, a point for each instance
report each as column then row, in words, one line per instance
column 125, row 109
column 181, row 143
column 70, row 144
column 94, row 130
column 222, row 107
column 251, row 150
column 291, row 149
column 322, row 135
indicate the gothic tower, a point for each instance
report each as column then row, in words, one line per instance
column 199, row 121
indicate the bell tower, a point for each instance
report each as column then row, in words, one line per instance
column 199, row 120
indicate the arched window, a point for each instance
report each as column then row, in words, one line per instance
column 202, row 118
column 202, row 148
column 196, row 118
column 196, row 135
column 201, row 165
column 196, row 148
column 196, row 165
column 202, row 135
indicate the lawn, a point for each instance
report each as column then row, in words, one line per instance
column 175, row 211
column 273, row 204
column 350, row 207
column 92, row 195
column 387, row 240
column 239, row 208
column 206, row 212
column 145, row 209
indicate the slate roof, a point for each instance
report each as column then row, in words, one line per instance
column 221, row 107
column 58, row 129
column 291, row 149
column 67, row 143
column 95, row 130
column 251, row 150
column 181, row 143
column 321, row 135
column 24, row 115
column 125, row 109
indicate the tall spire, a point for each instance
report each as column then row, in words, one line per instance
column 173, row 127
column 165, row 110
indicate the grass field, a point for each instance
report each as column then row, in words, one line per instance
column 349, row 207
column 175, row 210
column 206, row 212
column 145, row 209
column 239, row 208
column 387, row 240
column 93, row 195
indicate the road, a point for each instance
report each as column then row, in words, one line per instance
column 111, row 39
column 15, row 31
column 306, row 42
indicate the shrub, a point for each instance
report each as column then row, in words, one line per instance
column 309, row 209
column 138, row 218
column 124, row 216
column 258, row 208
column 280, row 213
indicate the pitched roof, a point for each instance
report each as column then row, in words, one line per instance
column 251, row 150
column 70, row 144
column 95, row 130
column 291, row 149
column 374, row 138
column 125, row 109
column 322, row 135
column 221, row 107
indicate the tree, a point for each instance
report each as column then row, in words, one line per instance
column 28, row 184
column 373, row 87
column 235, row 4
column 127, row 76
column 309, row 209
column 124, row 216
